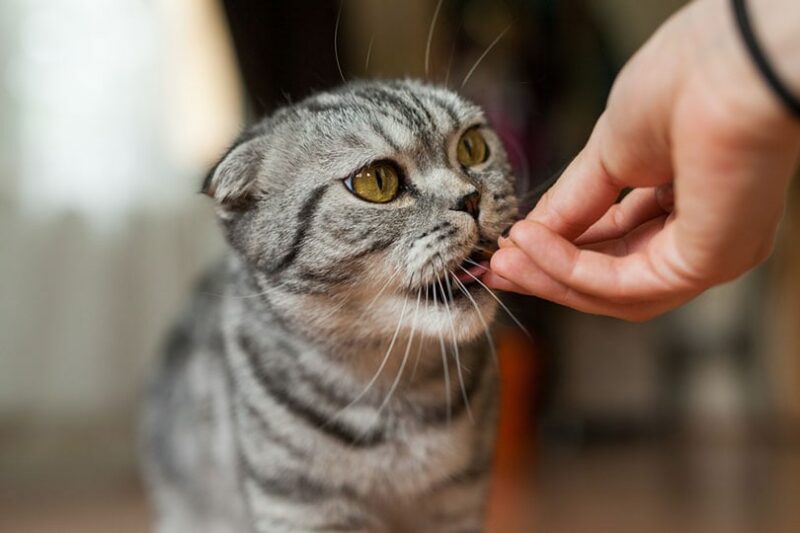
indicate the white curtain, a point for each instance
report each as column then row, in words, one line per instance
column 109, row 114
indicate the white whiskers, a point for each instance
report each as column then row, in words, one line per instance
column 421, row 340
column 444, row 364
column 430, row 36
column 483, row 55
column 380, row 368
column 455, row 345
column 336, row 41
column 449, row 65
column 385, row 285
column 497, row 299
column 403, row 362
column 271, row 289
column 369, row 54
column 475, row 263
column 485, row 325
column 397, row 271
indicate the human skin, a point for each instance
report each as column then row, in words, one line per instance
column 709, row 151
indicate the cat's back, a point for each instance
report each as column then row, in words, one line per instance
column 196, row 333
column 187, row 438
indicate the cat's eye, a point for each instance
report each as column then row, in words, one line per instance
column 378, row 182
column 472, row 148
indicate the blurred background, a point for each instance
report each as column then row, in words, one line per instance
column 110, row 113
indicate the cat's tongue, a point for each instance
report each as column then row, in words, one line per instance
column 472, row 272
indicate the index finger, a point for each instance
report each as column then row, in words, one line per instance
column 583, row 193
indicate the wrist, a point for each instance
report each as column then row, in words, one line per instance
column 776, row 24
column 730, row 73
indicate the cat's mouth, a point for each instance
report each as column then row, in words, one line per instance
column 454, row 280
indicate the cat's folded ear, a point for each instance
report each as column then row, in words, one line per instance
column 233, row 182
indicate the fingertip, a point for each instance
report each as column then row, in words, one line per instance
column 513, row 266
column 504, row 241
column 493, row 281
column 502, row 262
column 510, row 268
column 520, row 232
column 543, row 246
column 531, row 237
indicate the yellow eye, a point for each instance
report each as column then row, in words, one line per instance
column 378, row 182
column 472, row 148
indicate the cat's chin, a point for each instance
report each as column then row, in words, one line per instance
column 463, row 317
column 457, row 305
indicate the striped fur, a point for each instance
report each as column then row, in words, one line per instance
column 319, row 381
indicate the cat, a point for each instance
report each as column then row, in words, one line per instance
column 335, row 371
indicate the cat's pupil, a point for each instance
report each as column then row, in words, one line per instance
column 379, row 178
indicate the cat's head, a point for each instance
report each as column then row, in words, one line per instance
column 370, row 209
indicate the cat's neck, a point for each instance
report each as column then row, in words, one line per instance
column 407, row 360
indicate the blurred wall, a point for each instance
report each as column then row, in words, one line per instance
column 109, row 119
column 782, row 334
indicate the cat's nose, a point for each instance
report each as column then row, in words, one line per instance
column 469, row 203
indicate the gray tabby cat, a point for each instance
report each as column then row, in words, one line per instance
column 334, row 373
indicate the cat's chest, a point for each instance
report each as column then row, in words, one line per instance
column 404, row 465
column 291, row 424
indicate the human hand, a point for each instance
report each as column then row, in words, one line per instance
column 709, row 152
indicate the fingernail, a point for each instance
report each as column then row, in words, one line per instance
column 665, row 196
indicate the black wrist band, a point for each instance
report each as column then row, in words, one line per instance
column 791, row 102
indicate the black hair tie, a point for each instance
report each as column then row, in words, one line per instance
column 791, row 102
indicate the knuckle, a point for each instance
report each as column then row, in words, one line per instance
column 617, row 218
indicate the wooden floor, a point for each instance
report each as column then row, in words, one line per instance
column 687, row 489
column 110, row 510
column 642, row 489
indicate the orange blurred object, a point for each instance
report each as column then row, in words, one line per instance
column 519, row 363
